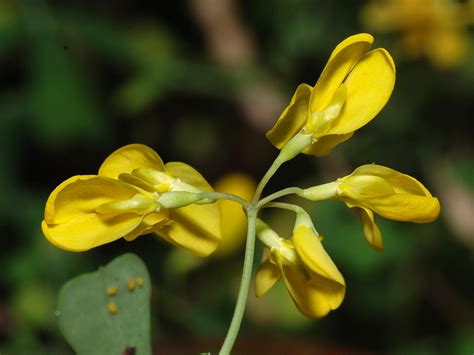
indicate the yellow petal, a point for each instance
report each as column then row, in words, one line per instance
column 342, row 60
column 159, row 180
column 320, row 122
column 371, row 231
column 150, row 223
column 129, row 158
column 136, row 181
column 400, row 182
column 369, row 86
column 364, row 187
column 311, row 251
column 313, row 297
column 82, row 194
column 89, row 230
column 266, row 277
column 333, row 291
column 71, row 221
column 189, row 175
column 391, row 194
column 50, row 210
column 196, row 228
column 324, row 144
column 405, row 207
column 293, row 118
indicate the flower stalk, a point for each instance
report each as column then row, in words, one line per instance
column 244, row 284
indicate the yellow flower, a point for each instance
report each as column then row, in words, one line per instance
column 313, row 281
column 436, row 29
column 353, row 87
column 86, row 211
column 233, row 218
column 389, row 193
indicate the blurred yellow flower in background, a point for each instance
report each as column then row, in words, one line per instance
column 353, row 87
column 7, row 13
column 86, row 211
column 233, row 219
column 436, row 29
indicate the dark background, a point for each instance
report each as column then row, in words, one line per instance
column 201, row 82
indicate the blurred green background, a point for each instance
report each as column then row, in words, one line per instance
column 201, row 81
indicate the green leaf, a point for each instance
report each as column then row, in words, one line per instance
column 85, row 311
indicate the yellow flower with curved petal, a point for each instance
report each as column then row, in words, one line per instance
column 311, row 278
column 353, row 87
column 390, row 194
column 387, row 192
column 123, row 201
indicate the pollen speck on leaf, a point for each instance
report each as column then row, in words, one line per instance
column 112, row 307
column 131, row 285
column 112, row 290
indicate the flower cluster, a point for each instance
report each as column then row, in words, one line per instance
column 135, row 193
column 354, row 86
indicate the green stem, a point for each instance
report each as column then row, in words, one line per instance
column 291, row 149
column 244, row 284
column 285, row 206
column 213, row 196
column 278, row 194
column 302, row 217
column 268, row 175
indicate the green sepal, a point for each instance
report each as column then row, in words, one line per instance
column 294, row 146
column 176, row 199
